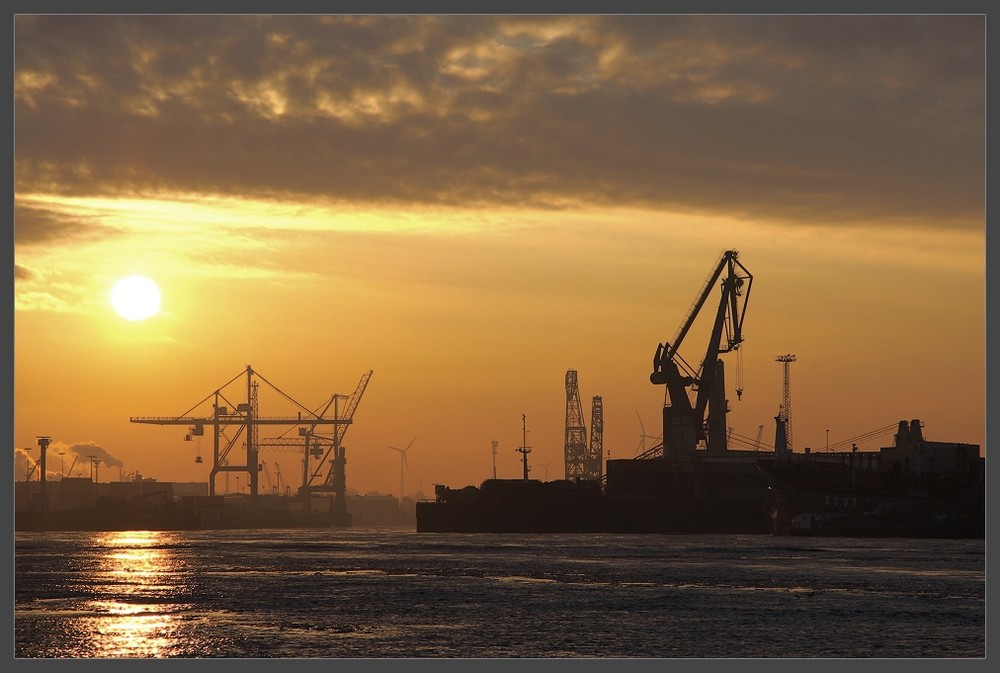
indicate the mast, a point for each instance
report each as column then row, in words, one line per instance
column 524, row 449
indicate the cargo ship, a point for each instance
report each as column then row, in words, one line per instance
column 515, row 506
column 702, row 494
column 915, row 488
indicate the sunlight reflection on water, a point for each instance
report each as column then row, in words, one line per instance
column 135, row 565
column 365, row 594
column 130, row 631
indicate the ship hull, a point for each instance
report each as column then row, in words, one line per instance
column 703, row 494
column 815, row 499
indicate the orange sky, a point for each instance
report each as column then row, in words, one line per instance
column 471, row 205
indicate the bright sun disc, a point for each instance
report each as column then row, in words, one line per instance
column 135, row 297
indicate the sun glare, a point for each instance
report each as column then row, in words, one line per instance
column 135, row 297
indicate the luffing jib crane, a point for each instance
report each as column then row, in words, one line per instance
column 692, row 391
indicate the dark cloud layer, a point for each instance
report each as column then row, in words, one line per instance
column 815, row 118
column 40, row 225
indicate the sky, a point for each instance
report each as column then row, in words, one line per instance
column 469, row 207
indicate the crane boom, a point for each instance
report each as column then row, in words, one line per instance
column 352, row 405
column 671, row 347
column 340, row 429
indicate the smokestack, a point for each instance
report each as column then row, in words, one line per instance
column 902, row 435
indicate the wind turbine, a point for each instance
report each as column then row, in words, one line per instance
column 402, row 463
column 546, row 466
column 643, row 436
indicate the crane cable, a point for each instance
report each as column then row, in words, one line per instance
column 739, row 374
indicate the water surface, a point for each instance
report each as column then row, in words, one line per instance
column 376, row 593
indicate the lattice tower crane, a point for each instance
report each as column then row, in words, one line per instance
column 575, row 448
column 594, row 453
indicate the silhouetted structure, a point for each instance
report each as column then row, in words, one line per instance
column 595, row 452
column 575, row 447
column 247, row 420
column 915, row 488
column 785, row 412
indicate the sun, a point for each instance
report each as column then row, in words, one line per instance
column 136, row 297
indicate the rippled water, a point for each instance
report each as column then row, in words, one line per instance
column 397, row 593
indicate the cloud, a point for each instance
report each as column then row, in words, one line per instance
column 45, row 301
column 23, row 461
column 816, row 118
column 40, row 226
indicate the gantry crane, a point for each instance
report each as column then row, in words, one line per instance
column 246, row 418
column 684, row 423
column 310, row 442
column 335, row 481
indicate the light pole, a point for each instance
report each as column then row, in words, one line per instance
column 828, row 441
column 94, row 462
